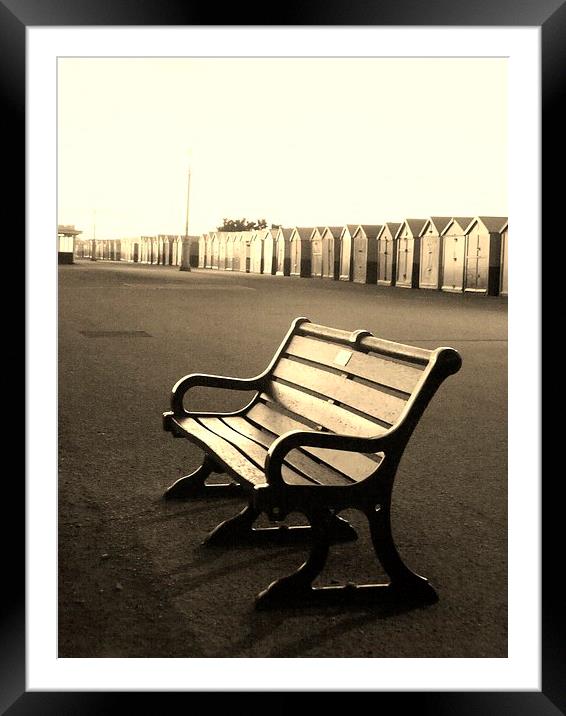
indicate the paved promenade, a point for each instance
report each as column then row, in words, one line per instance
column 134, row 579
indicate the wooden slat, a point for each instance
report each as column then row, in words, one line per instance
column 255, row 452
column 370, row 401
column 321, row 412
column 371, row 367
column 322, row 474
column 355, row 465
column 226, row 452
column 412, row 354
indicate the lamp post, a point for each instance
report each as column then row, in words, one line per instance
column 93, row 250
column 186, row 252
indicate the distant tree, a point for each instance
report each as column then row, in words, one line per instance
column 241, row 225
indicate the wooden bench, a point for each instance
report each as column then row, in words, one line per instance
column 325, row 431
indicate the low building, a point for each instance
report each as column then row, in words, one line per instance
column 316, row 251
column 408, row 253
column 453, row 254
column 483, row 255
column 346, row 237
column 66, row 235
column 331, row 252
column 364, row 253
column 430, row 273
column 283, row 252
column 300, row 251
column 504, row 286
column 387, row 254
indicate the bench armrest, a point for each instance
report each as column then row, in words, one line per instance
column 311, row 438
column 204, row 380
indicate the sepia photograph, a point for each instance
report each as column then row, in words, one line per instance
column 286, row 391
column 297, row 267
column 283, row 367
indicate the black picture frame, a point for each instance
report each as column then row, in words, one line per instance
column 550, row 16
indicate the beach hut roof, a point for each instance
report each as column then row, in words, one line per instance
column 462, row 221
column 286, row 232
column 334, row 230
column 392, row 226
column 492, row 223
column 439, row 223
column 370, row 230
column 415, row 226
column 304, row 232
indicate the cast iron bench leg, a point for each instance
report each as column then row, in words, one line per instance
column 239, row 529
column 296, row 588
column 403, row 580
column 194, row 484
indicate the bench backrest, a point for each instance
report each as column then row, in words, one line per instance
column 354, row 383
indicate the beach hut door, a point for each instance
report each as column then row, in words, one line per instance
column 360, row 258
column 295, row 257
column 476, row 262
column 316, row 258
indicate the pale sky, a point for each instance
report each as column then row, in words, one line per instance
column 299, row 142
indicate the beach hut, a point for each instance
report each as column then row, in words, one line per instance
column 172, row 249
column 387, row 254
column 222, row 237
column 256, row 250
column 214, row 247
column 364, row 253
column 482, row 272
column 176, row 250
column 229, row 263
column 245, row 256
column 165, row 254
column 146, row 249
column 237, row 247
column 504, row 288
column 283, row 252
column 430, row 274
column 408, row 253
column 155, row 249
column 300, row 251
column 454, row 253
column 270, row 252
column 194, row 250
column 346, row 237
column 208, row 250
column 316, row 251
column 201, row 249
column 330, row 246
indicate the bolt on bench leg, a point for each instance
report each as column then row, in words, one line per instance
column 239, row 529
column 194, row 485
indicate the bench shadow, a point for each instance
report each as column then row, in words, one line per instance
column 227, row 570
column 264, row 624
